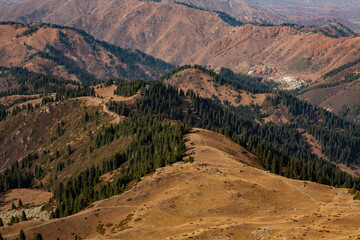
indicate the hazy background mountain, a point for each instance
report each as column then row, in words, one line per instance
column 9, row 2
column 299, row 12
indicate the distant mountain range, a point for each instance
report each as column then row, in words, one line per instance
column 9, row 2
column 288, row 11
column 180, row 34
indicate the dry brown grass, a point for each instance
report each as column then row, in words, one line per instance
column 315, row 145
column 217, row 196
column 107, row 94
column 333, row 99
column 10, row 99
column 33, row 102
column 204, row 85
column 28, row 196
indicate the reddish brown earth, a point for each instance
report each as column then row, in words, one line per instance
column 158, row 29
column 204, row 85
column 20, row 49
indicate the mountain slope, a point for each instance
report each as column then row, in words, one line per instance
column 304, row 13
column 9, row 2
column 72, row 54
column 158, row 29
column 340, row 90
column 217, row 196
column 110, row 144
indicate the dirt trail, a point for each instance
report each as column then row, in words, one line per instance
column 94, row 101
column 106, row 94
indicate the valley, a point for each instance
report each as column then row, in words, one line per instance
column 194, row 119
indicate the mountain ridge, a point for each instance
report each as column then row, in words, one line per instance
column 98, row 141
column 207, row 41
column 121, row 139
column 39, row 47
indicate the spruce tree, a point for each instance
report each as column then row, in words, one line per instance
column 22, row 235
column 37, row 236
column 20, row 203
column 23, row 216
column 68, row 150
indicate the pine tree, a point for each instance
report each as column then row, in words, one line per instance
column 13, row 206
column 20, row 203
column 59, row 130
column 22, row 235
column 68, row 150
column 37, row 236
column 23, row 216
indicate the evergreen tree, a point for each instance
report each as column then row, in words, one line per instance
column 23, row 216
column 37, row 236
column 68, row 150
column 22, row 235
column 20, row 203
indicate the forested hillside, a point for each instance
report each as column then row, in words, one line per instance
column 281, row 149
column 122, row 138
column 177, row 119
column 72, row 54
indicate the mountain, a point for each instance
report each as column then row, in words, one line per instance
column 146, row 148
column 277, row 12
column 105, row 141
column 340, row 92
column 245, row 11
column 9, row 2
column 210, row 39
column 72, row 54
column 241, row 201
